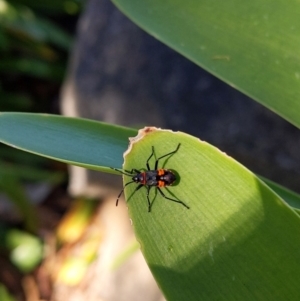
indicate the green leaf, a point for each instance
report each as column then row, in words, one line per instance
column 292, row 198
column 17, row 156
column 53, row 6
column 26, row 250
column 132, row 248
column 37, row 68
column 238, row 240
column 4, row 294
column 75, row 141
column 14, row 101
column 10, row 186
column 23, row 172
column 21, row 19
column 253, row 46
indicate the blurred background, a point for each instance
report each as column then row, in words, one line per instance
column 61, row 237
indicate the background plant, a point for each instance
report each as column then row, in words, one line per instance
column 33, row 53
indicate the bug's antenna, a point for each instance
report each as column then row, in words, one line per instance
column 126, row 173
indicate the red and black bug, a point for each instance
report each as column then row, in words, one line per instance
column 152, row 178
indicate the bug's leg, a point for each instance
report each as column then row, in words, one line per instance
column 122, row 192
column 137, row 188
column 149, row 204
column 141, row 185
column 147, row 164
column 173, row 200
column 168, row 154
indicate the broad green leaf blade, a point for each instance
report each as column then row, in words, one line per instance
column 75, row 141
column 291, row 197
column 253, row 46
column 238, row 240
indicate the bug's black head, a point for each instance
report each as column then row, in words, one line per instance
column 138, row 178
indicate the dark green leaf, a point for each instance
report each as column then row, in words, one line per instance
column 75, row 141
column 253, row 46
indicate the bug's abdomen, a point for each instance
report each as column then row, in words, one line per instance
column 160, row 177
column 167, row 177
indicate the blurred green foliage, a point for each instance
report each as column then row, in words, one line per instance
column 33, row 47
column 25, row 250
column 35, row 38
column 4, row 294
